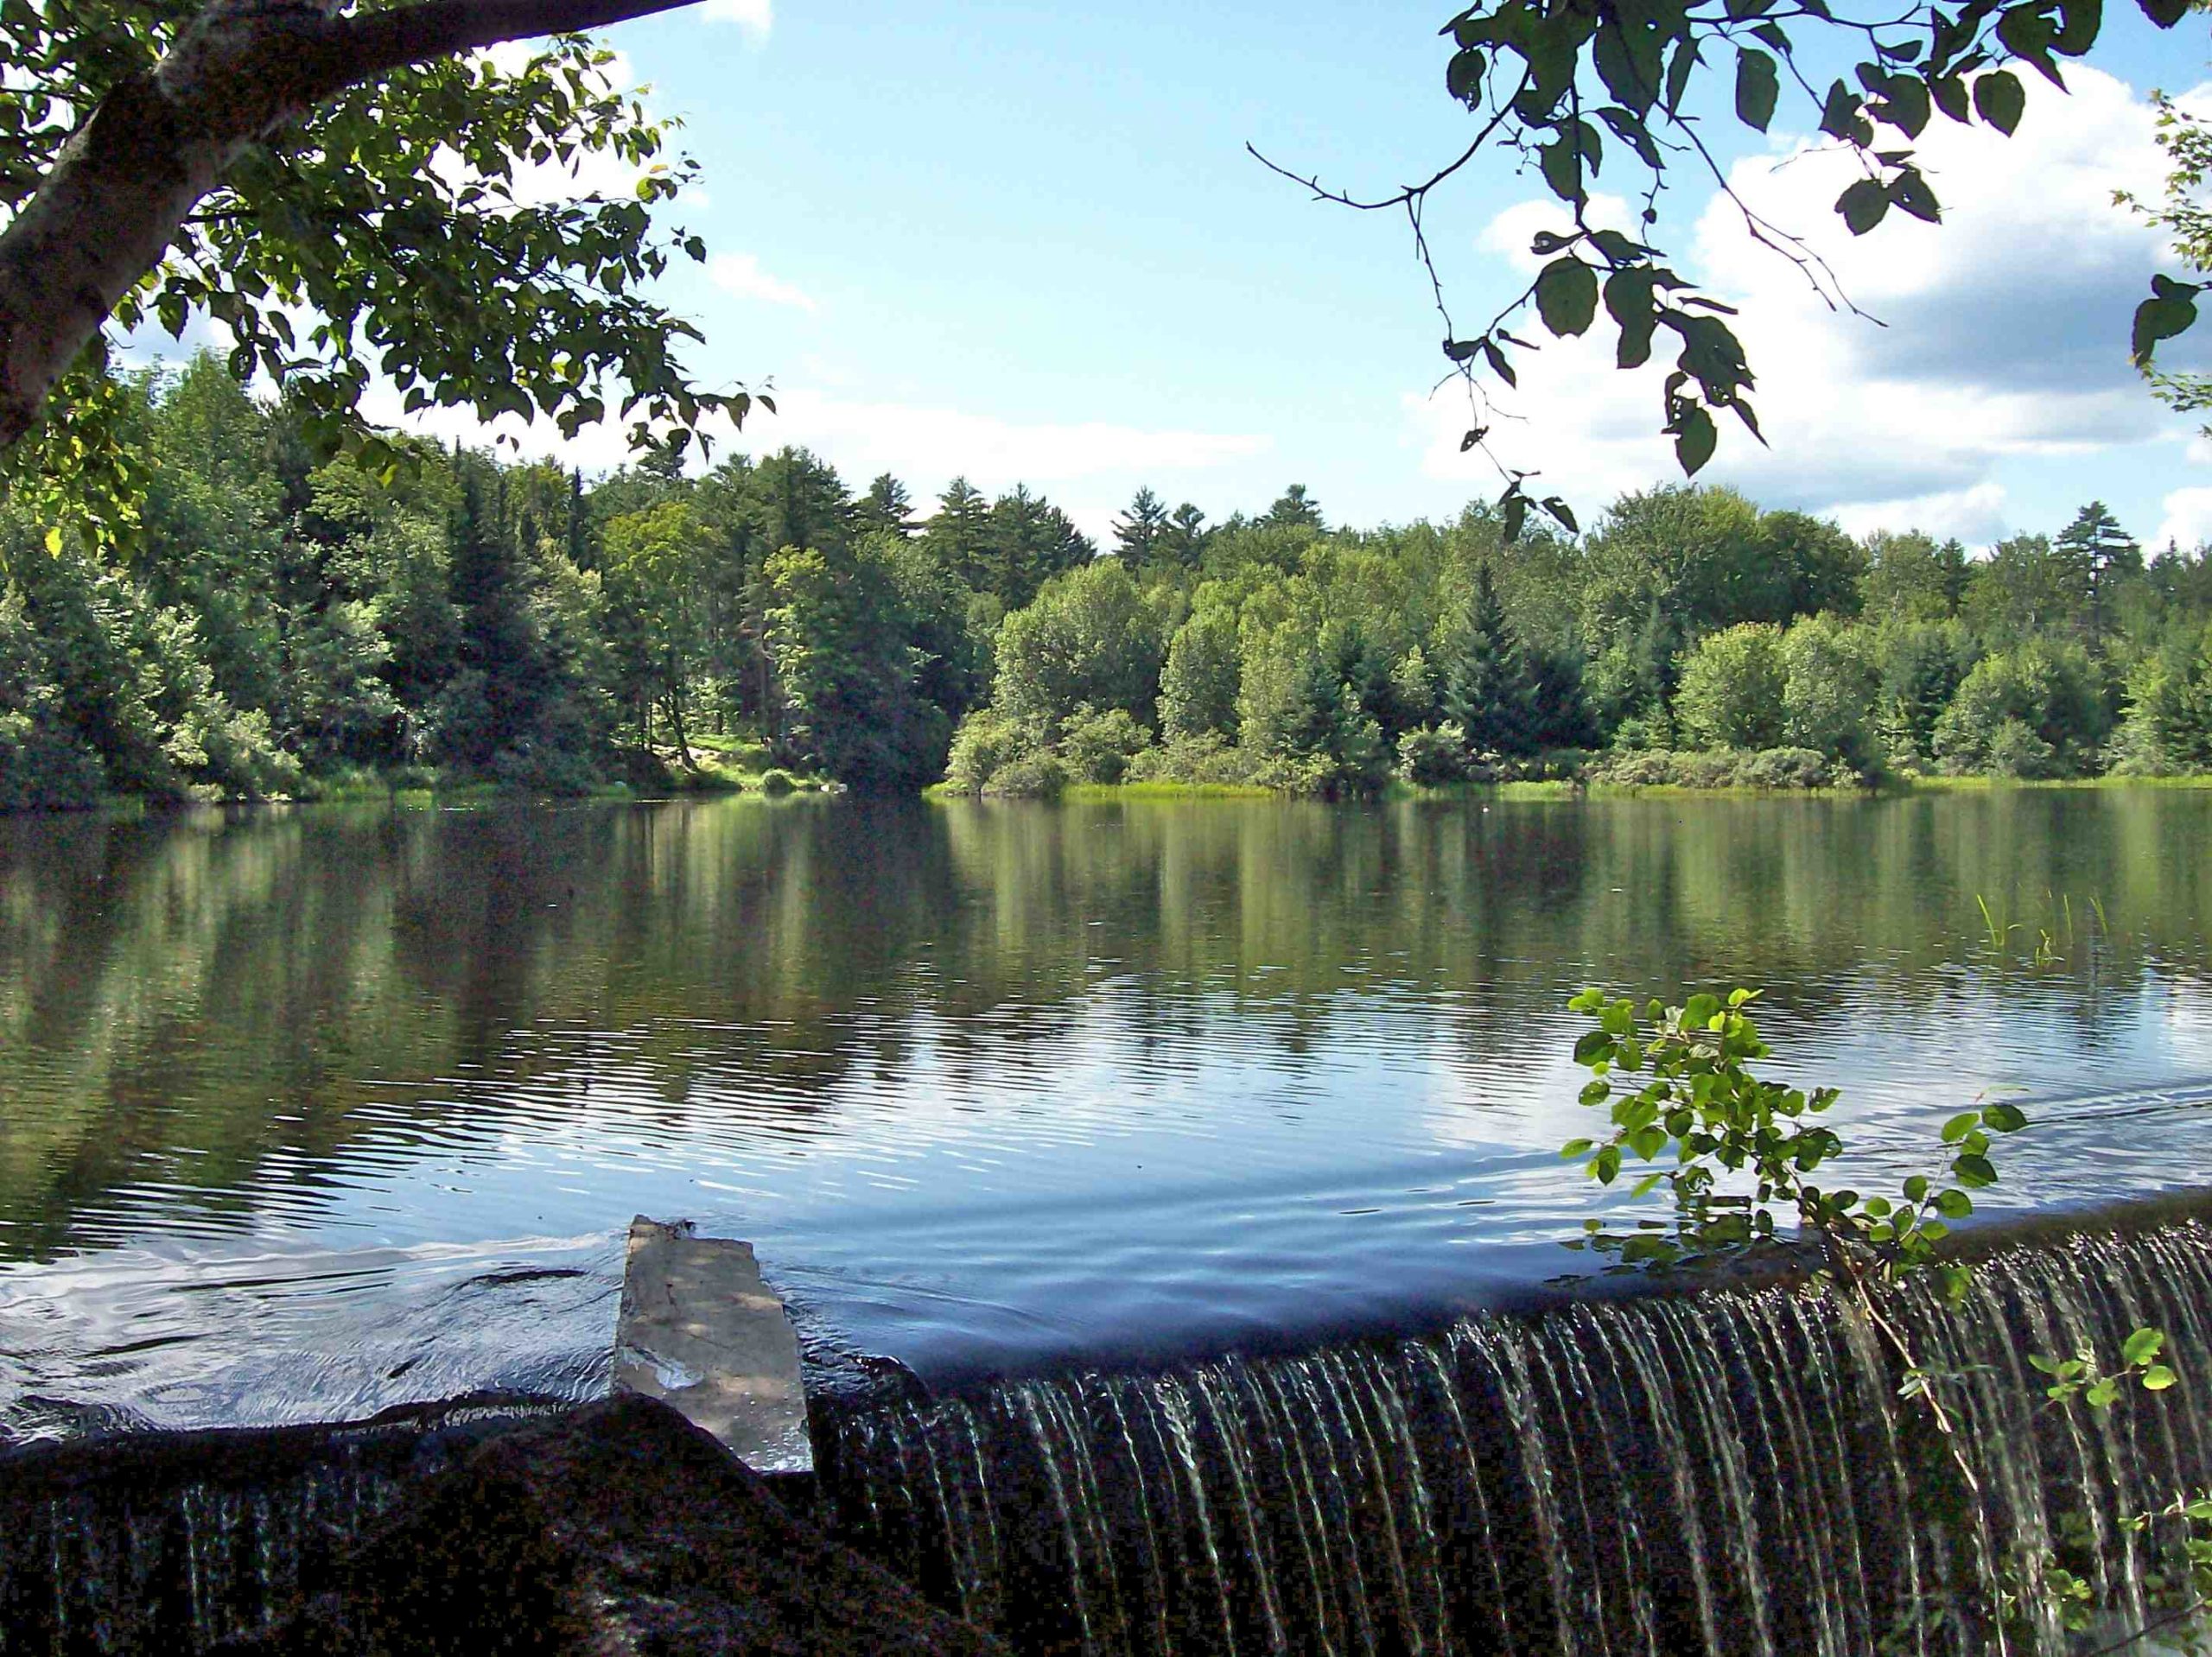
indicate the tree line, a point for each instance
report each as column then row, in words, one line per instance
column 274, row 626
column 1688, row 638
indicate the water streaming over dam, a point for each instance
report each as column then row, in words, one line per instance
column 159, row 1543
column 1732, row 1475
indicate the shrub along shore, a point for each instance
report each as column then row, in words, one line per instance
column 275, row 627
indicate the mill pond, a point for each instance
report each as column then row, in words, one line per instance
column 1199, row 1158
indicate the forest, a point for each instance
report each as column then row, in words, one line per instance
column 273, row 627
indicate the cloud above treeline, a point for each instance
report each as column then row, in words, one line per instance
column 756, row 17
column 739, row 276
column 1999, row 337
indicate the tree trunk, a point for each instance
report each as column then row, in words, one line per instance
column 160, row 141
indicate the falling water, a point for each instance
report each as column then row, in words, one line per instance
column 1730, row 1474
column 169, row 1543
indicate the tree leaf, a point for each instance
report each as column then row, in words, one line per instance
column 2142, row 1346
column 1463, row 76
column 1999, row 99
column 1864, row 205
column 2165, row 13
column 1905, row 105
column 1694, row 441
column 1560, row 162
column 1910, row 191
column 2157, row 318
column 1628, row 299
column 2080, row 24
column 1757, row 85
column 1566, row 296
column 1678, row 72
column 1974, row 1172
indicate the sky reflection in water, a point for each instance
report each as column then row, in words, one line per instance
column 309, row 1112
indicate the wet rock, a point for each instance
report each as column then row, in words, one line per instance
column 620, row 1528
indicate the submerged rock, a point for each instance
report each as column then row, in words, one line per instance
column 620, row 1528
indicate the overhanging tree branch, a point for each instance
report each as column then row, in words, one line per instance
column 159, row 141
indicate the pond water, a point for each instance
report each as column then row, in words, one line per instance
column 305, row 1112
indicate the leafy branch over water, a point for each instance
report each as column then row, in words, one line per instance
column 1676, row 1082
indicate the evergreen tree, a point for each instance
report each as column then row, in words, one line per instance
column 1030, row 541
column 1183, row 542
column 959, row 536
column 798, row 500
column 1486, row 689
column 494, row 699
column 886, row 509
column 2099, row 555
column 1294, row 509
column 1137, row 534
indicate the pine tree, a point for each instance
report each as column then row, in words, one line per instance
column 1293, row 508
column 1136, row 535
column 1031, row 541
column 959, row 536
column 2098, row 554
column 1486, row 689
column 887, row 508
column 1183, row 543
column 494, row 700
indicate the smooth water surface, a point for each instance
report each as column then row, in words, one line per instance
column 305, row 1112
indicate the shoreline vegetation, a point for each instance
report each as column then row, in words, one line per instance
column 417, row 792
column 273, row 628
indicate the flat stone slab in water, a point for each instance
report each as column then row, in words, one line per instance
column 700, row 1332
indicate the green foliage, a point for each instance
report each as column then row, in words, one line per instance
column 1731, row 1149
column 1199, row 681
column 2168, row 730
column 1910, row 578
column 401, row 228
column 1614, row 100
column 1732, row 688
column 1770, row 769
column 279, row 626
column 1098, row 744
column 2035, row 710
column 1433, row 756
column 1304, row 714
column 2182, row 215
column 1092, row 637
column 1829, row 689
column 842, row 626
column 986, row 743
column 1678, row 1086
column 1488, row 692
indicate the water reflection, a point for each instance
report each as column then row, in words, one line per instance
column 996, row 1083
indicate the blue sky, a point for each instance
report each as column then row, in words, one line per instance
column 1026, row 242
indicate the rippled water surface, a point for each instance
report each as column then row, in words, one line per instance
column 303, row 1112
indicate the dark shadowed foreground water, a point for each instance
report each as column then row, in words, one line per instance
column 303, row 1113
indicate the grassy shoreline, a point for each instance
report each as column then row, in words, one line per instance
column 711, row 781
column 1556, row 789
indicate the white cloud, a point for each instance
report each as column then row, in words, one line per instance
column 923, row 442
column 755, row 17
column 2002, row 335
column 1975, row 515
column 1090, row 468
column 739, row 274
column 2188, row 522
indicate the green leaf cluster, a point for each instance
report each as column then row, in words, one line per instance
column 1731, row 1149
